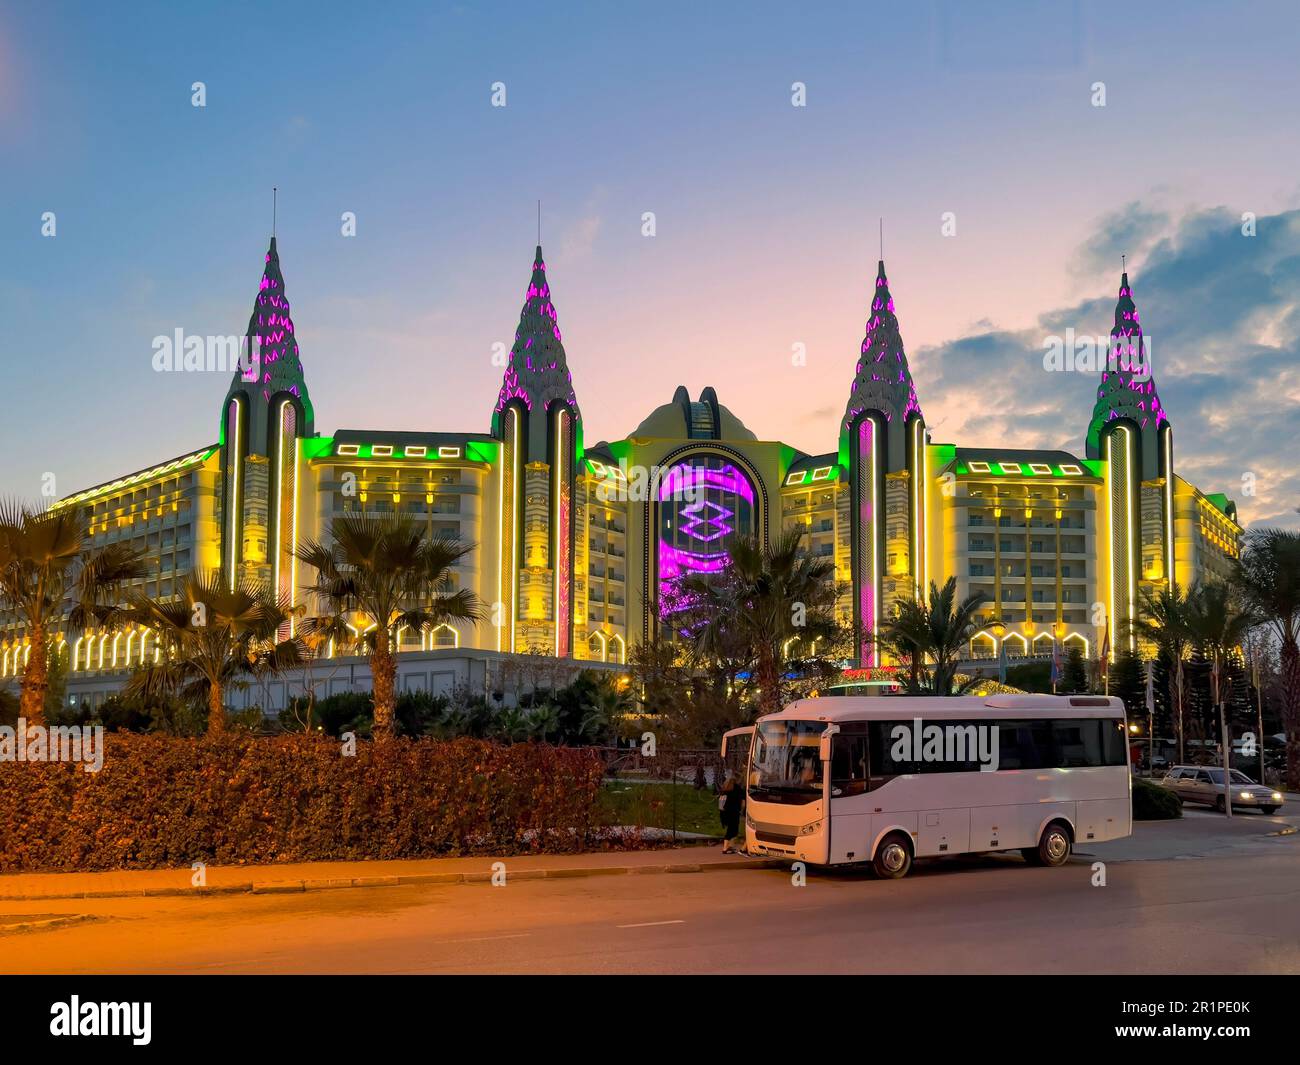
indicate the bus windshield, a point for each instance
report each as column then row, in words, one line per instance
column 787, row 765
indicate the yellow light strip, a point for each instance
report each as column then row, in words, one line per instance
column 514, row 522
column 1169, row 509
column 233, row 520
column 555, row 491
column 501, row 526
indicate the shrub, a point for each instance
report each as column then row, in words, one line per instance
column 1151, row 802
column 165, row 802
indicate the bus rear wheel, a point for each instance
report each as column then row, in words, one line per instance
column 1053, row 848
column 893, row 857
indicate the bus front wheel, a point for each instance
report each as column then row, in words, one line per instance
column 1053, row 848
column 893, row 857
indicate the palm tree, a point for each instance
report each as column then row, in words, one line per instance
column 42, row 566
column 937, row 630
column 764, row 600
column 382, row 570
column 1217, row 623
column 1268, row 577
column 208, row 638
column 1163, row 620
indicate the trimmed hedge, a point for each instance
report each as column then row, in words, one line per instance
column 166, row 802
column 1151, row 802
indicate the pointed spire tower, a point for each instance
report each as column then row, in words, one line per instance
column 539, row 425
column 537, row 376
column 883, row 446
column 267, row 410
column 1128, row 388
column 883, row 380
column 1130, row 432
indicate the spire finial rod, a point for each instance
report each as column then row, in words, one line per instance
column 882, row 238
column 1123, row 262
column 275, row 191
column 539, row 223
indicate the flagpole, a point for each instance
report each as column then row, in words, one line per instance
column 1259, row 706
column 1226, row 739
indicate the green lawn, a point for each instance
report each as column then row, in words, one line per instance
column 651, row 806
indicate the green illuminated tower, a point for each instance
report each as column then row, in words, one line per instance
column 266, row 411
column 1130, row 431
column 883, row 445
column 539, row 425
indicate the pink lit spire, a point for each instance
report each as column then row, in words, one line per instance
column 1128, row 387
column 537, row 373
column 882, row 381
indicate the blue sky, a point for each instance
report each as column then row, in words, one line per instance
column 766, row 214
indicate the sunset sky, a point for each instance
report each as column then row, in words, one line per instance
column 767, row 215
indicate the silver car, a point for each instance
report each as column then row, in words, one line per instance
column 1204, row 784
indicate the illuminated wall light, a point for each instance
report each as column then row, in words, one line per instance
column 798, row 477
column 455, row 635
column 381, row 451
column 978, row 467
column 235, row 461
column 448, row 452
column 348, row 449
column 1071, row 470
column 1170, row 573
column 821, row 473
column 620, row 648
column 1040, row 468
column 415, row 452
column 1009, row 467
column 103, row 642
column 76, row 652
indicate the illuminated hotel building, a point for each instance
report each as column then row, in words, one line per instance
column 573, row 539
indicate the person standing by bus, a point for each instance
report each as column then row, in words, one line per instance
column 730, row 803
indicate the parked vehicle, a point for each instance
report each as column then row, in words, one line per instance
column 1204, row 784
column 883, row 780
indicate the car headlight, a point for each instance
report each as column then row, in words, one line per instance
column 1277, row 796
column 1246, row 797
column 808, row 830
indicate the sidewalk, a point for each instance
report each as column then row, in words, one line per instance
column 314, row 876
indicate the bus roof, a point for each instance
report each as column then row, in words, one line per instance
column 966, row 707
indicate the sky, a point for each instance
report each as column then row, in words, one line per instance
column 972, row 133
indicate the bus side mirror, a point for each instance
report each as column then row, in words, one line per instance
column 824, row 744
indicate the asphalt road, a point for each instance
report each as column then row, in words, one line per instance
column 1234, row 911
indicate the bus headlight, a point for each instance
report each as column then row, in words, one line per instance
column 808, row 830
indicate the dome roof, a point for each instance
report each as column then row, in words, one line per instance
column 684, row 418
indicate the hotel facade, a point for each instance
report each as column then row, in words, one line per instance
column 572, row 539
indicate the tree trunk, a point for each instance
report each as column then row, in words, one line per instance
column 36, row 680
column 216, row 710
column 769, row 681
column 383, row 667
column 1291, row 712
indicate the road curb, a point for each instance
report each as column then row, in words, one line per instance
column 293, row 887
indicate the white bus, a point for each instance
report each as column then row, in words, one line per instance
column 884, row 780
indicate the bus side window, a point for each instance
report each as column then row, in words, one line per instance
column 1114, row 742
column 1025, row 745
column 883, row 765
column 849, row 764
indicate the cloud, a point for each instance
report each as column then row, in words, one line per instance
column 1223, row 314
